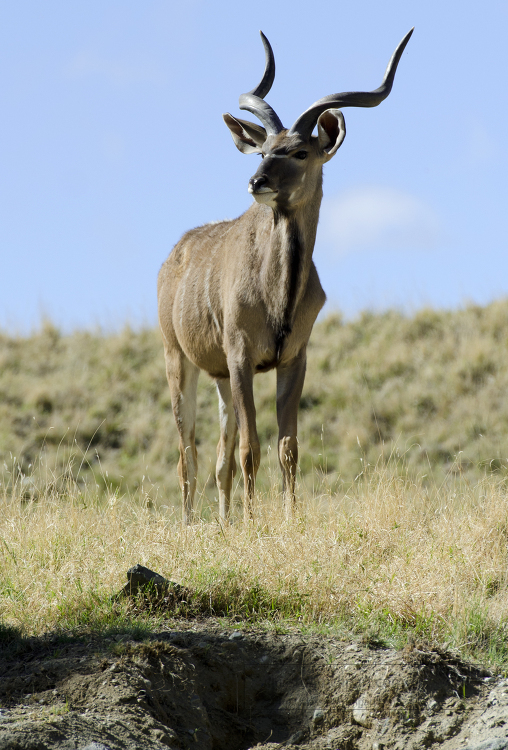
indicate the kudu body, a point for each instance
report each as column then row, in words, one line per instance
column 240, row 297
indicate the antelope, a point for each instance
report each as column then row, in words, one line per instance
column 240, row 297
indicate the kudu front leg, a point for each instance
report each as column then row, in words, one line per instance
column 290, row 380
column 250, row 452
column 226, row 464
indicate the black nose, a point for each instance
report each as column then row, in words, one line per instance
column 257, row 182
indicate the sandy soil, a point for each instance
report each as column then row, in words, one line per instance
column 202, row 687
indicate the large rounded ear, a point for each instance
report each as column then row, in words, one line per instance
column 248, row 137
column 331, row 131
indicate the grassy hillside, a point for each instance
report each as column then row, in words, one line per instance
column 91, row 407
column 403, row 515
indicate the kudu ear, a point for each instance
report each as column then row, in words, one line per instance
column 331, row 131
column 247, row 136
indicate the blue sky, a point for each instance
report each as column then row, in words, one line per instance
column 112, row 145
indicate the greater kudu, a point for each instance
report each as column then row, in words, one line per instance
column 240, row 297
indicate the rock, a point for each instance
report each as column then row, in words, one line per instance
column 144, row 580
column 432, row 705
column 295, row 738
column 236, row 636
column 362, row 712
column 499, row 744
column 318, row 716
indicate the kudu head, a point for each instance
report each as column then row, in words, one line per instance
column 292, row 160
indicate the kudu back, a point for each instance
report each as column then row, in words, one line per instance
column 240, row 297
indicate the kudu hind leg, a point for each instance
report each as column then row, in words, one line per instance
column 290, row 381
column 183, row 380
column 226, row 464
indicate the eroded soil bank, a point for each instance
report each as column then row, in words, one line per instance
column 199, row 686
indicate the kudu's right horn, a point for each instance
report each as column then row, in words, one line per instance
column 253, row 101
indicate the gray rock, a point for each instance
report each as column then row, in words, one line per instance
column 295, row 738
column 362, row 712
column 236, row 636
column 318, row 716
column 432, row 705
column 144, row 580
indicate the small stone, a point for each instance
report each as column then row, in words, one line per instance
column 164, row 737
column 236, row 636
column 362, row 713
column 295, row 738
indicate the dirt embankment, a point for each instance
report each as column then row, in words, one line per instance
column 202, row 687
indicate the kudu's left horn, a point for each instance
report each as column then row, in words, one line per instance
column 304, row 125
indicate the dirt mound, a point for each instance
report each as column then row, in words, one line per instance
column 208, row 688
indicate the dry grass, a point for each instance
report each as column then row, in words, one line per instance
column 432, row 385
column 413, row 544
column 390, row 556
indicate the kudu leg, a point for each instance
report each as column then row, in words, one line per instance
column 250, row 453
column 289, row 390
column 183, row 380
column 226, row 464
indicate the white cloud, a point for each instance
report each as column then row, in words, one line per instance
column 370, row 218
column 480, row 145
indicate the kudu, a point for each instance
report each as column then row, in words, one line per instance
column 240, row 297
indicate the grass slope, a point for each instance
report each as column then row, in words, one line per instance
column 403, row 521
column 390, row 559
column 96, row 407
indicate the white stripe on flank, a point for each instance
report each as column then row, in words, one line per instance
column 207, row 293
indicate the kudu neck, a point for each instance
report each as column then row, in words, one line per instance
column 288, row 261
column 305, row 217
column 297, row 225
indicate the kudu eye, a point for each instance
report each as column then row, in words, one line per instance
column 301, row 155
